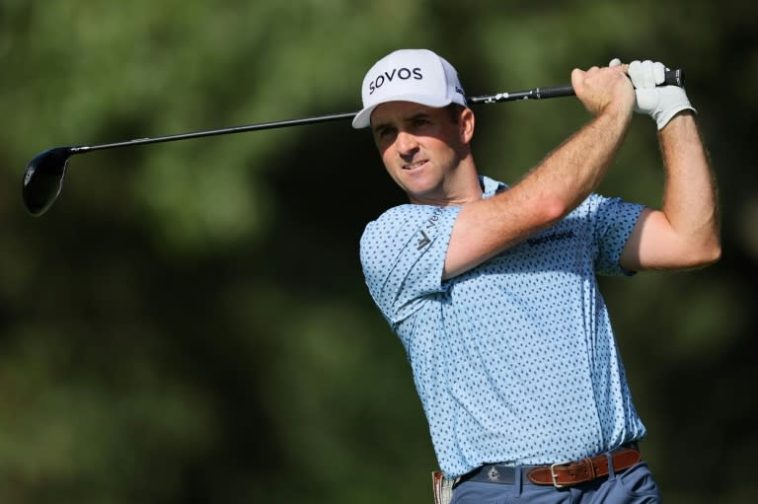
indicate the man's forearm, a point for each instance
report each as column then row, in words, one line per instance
column 553, row 189
column 690, row 198
column 572, row 171
column 485, row 228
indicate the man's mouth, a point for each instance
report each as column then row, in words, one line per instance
column 414, row 165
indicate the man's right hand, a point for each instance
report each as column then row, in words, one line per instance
column 604, row 89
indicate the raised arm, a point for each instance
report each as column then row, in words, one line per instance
column 557, row 185
column 684, row 232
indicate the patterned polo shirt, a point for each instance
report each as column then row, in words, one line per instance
column 514, row 361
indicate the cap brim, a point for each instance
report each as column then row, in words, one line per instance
column 363, row 118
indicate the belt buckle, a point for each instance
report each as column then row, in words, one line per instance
column 554, row 476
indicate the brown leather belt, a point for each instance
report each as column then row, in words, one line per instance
column 559, row 475
column 585, row 470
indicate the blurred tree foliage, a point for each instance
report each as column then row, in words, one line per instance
column 189, row 322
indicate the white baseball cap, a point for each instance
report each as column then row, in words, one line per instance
column 413, row 75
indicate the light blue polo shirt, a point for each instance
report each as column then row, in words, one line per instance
column 514, row 360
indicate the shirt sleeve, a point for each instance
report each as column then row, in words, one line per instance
column 403, row 257
column 614, row 221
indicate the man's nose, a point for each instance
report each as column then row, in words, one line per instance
column 407, row 144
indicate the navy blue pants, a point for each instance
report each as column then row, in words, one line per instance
column 634, row 485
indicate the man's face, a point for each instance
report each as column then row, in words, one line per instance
column 421, row 147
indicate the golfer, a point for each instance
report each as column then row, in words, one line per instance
column 492, row 288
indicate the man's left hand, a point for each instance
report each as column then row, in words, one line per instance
column 661, row 103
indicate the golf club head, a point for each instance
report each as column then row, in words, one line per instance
column 43, row 179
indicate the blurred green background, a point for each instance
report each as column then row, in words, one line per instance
column 189, row 322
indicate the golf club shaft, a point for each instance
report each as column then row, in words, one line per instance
column 673, row 77
column 206, row 133
column 529, row 94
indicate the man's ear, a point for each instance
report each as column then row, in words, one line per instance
column 466, row 123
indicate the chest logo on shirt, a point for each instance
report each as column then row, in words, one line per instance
column 552, row 237
column 423, row 241
column 430, row 224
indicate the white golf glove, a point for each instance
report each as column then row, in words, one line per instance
column 661, row 103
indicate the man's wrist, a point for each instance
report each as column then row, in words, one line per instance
column 616, row 114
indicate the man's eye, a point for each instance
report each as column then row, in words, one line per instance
column 385, row 133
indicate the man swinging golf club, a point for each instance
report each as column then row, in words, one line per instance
column 492, row 289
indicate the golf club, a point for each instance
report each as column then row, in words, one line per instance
column 43, row 178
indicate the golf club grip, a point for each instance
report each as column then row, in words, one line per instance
column 673, row 77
